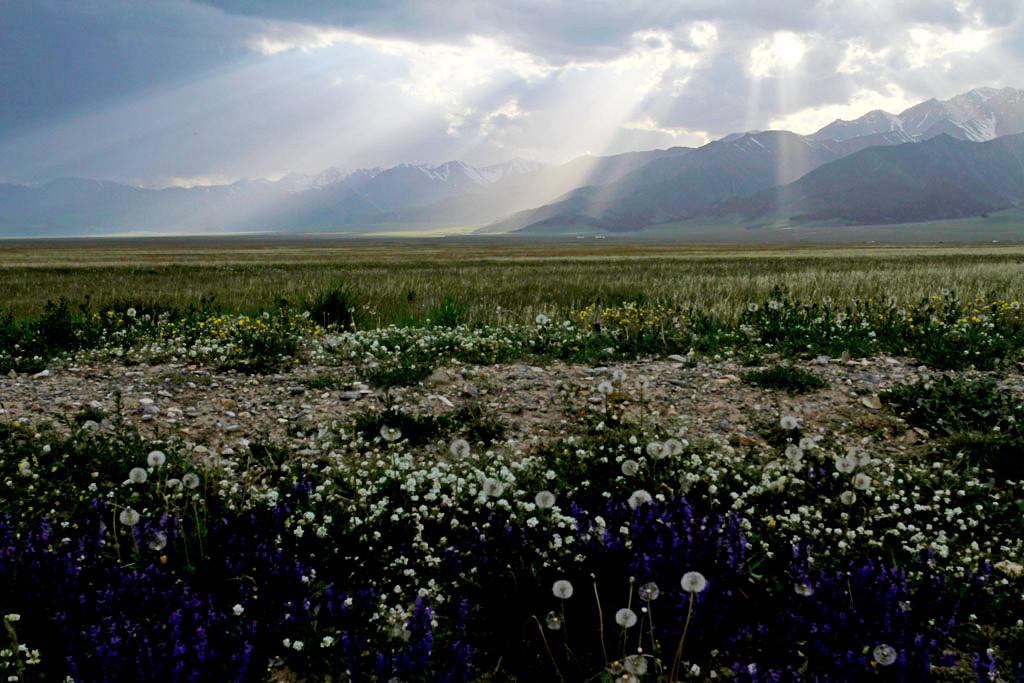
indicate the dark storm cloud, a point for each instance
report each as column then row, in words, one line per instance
column 57, row 57
column 182, row 90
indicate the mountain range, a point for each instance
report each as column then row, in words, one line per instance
column 937, row 159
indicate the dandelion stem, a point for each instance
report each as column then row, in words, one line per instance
column 679, row 650
column 629, row 605
column 548, row 647
column 600, row 621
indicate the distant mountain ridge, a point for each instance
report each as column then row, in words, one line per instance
column 936, row 159
column 978, row 115
column 942, row 177
column 741, row 165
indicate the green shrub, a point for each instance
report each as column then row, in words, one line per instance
column 336, row 306
column 785, row 378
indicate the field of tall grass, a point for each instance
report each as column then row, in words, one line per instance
column 496, row 281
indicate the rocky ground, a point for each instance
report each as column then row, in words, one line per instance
column 223, row 409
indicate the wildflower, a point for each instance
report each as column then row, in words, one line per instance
column 24, row 469
column 137, row 475
column 130, row 313
column 493, row 488
column 562, row 589
column 862, row 481
column 605, row 387
column 847, row 497
column 190, row 480
column 459, row 448
column 649, row 591
column 156, row 458
column 545, row 500
column 638, row 498
column 327, row 641
column 636, row 665
column 788, row 422
column 129, row 517
column 554, row 621
column 159, row 542
column 238, row 609
column 884, row 654
column 542, row 319
column 630, row 467
column 846, row 464
column 298, row 645
column 804, row 589
column 390, row 433
column 694, row 582
column 656, row 450
column 625, row 617
column 672, row 447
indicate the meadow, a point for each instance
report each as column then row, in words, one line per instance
column 405, row 546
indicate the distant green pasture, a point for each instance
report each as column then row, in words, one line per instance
column 496, row 280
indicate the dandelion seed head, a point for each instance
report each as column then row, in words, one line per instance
column 493, row 487
column 545, row 500
column 861, row 481
column 752, row 307
column 137, row 475
column 794, row 452
column 156, row 458
column 649, row 591
column 884, row 654
column 789, row 423
column 630, row 467
column 390, row 433
column 190, row 480
column 542, row 319
column 159, row 542
column 636, row 664
column 656, row 450
column 605, row 387
column 806, row 443
column 625, row 617
column 173, row 483
column 131, row 312
column 804, row 589
column 673, row 447
column 847, row 497
column 638, row 498
column 694, row 582
column 459, row 448
column 128, row 517
column 554, row 621
column 845, row 464
column 562, row 589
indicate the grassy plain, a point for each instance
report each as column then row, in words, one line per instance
column 494, row 280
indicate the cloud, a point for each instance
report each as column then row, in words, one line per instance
column 229, row 88
column 810, row 119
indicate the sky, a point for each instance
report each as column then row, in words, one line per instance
column 189, row 92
